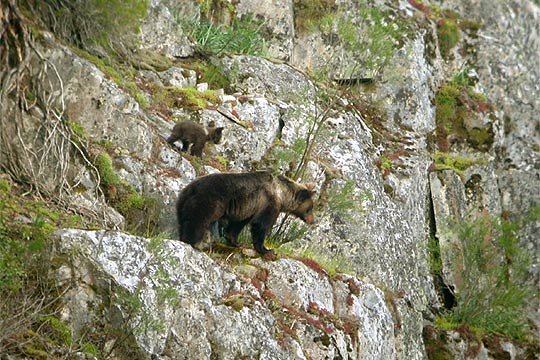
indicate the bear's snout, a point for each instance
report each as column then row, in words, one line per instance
column 309, row 219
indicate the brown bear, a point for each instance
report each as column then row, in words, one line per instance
column 190, row 132
column 254, row 198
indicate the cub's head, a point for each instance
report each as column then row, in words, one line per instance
column 214, row 133
column 301, row 201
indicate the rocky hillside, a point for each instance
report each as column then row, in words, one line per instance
column 417, row 121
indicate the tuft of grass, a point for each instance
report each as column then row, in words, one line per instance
column 308, row 14
column 243, row 36
column 318, row 260
column 342, row 200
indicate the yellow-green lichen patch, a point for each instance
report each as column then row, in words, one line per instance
column 443, row 161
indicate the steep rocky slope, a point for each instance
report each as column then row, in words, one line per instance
column 411, row 119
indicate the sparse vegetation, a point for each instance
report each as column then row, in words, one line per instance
column 494, row 291
column 122, row 75
column 385, row 34
column 30, row 324
column 140, row 212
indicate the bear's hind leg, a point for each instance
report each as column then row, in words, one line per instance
column 233, row 230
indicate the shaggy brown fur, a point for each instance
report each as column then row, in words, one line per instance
column 245, row 198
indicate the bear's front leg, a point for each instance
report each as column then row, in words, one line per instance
column 261, row 226
column 192, row 232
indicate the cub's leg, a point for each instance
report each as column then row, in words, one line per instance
column 172, row 138
column 197, row 149
column 185, row 145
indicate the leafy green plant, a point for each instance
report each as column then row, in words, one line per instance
column 494, row 290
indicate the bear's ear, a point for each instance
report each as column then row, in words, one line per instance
column 311, row 188
column 212, row 124
column 304, row 194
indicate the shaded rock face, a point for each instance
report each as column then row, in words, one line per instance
column 214, row 312
column 161, row 32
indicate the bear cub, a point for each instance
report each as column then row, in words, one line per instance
column 190, row 132
column 254, row 198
